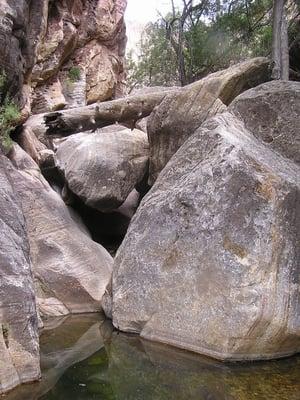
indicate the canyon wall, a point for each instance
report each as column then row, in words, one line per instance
column 60, row 53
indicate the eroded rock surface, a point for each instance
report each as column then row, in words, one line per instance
column 63, row 53
column 271, row 112
column 182, row 112
column 19, row 346
column 102, row 168
column 210, row 262
column 71, row 271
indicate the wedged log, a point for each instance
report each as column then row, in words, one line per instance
column 98, row 115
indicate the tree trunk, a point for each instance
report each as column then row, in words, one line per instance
column 285, row 59
column 280, row 48
column 180, row 57
column 80, row 119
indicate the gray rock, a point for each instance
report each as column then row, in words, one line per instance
column 271, row 112
column 182, row 112
column 71, row 271
column 102, row 168
column 13, row 22
column 19, row 345
column 142, row 124
column 210, row 262
column 153, row 89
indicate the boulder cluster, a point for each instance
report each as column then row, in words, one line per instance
column 210, row 262
column 210, row 174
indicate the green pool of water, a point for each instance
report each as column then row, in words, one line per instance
column 84, row 359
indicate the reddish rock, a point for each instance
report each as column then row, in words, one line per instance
column 63, row 53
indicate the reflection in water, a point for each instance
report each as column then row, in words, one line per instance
column 64, row 341
column 83, row 359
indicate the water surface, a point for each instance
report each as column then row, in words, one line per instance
column 84, row 359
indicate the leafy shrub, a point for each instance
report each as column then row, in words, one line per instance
column 74, row 74
column 9, row 117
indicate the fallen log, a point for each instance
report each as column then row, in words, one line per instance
column 86, row 118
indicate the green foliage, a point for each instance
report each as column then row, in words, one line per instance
column 213, row 37
column 9, row 117
column 236, row 34
column 74, row 74
column 156, row 61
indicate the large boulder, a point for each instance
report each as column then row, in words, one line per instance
column 271, row 111
column 19, row 343
column 102, row 168
column 211, row 259
column 182, row 112
column 71, row 271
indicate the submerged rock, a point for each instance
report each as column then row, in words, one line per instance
column 271, row 111
column 19, row 345
column 102, row 168
column 182, row 112
column 161, row 372
column 71, row 271
column 210, row 262
column 64, row 341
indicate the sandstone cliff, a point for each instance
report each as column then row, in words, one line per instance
column 62, row 53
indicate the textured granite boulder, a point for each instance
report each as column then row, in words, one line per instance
column 271, row 111
column 211, row 259
column 71, row 271
column 103, row 167
column 181, row 113
column 19, row 342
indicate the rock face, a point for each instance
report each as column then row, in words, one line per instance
column 19, row 347
column 63, row 53
column 182, row 112
column 271, row 112
column 103, row 167
column 71, row 271
column 14, row 44
column 210, row 262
